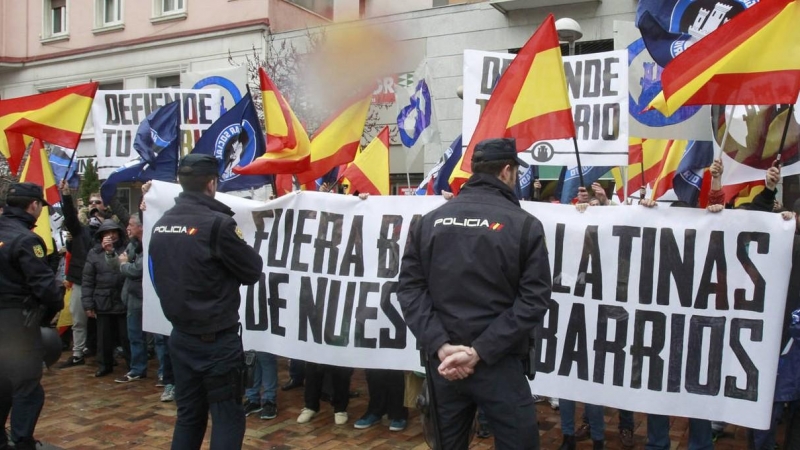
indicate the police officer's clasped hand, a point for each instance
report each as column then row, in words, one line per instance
column 458, row 361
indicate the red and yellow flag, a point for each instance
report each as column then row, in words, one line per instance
column 369, row 172
column 284, row 184
column 37, row 170
column 287, row 141
column 57, row 117
column 754, row 59
column 336, row 141
column 530, row 101
column 651, row 162
column 743, row 193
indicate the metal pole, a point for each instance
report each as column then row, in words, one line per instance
column 785, row 131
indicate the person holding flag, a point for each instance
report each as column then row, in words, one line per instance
column 29, row 297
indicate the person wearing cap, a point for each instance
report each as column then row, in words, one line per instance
column 79, row 246
column 474, row 282
column 199, row 291
column 29, row 297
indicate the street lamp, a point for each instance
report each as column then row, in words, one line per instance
column 569, row 31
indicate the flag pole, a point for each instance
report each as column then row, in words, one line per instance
column 728, row 119
column 578, row 157
column 785, row 131
column 644, row 180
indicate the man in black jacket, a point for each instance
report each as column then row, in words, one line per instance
column 199, row 260
column 29, row 297
column 475, row 281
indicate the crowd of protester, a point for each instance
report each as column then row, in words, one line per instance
column 104, row 275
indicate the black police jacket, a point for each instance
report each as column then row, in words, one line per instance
column 475, row 272
column 102, row 283
column 198, row 261
column 24, row 272
column 81, row 242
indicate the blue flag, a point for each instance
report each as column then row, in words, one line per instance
column 669, row 27
column 572, row 180
column 331, row 177
column 60, row 159
column 442, row 182
column 525, row 182
column 689, row 175
column 235, row 139
column 160, row 130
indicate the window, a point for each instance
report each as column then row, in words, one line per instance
column 55, row 20
column 108, row 15
column 322, row 7
column 168, row 10
column 169, row 81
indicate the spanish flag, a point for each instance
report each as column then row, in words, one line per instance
column 530, row 101
column 369, row 172
column 336, row 141
column 651, row 162
column 754, row 59
column 37, row 170
column 57, row 117
column 287, row 141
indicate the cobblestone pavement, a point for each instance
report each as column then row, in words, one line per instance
column 82, row 412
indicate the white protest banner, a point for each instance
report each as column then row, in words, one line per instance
column 598, row 91
column 117, row 115
column 669, row 311
column 231, row 82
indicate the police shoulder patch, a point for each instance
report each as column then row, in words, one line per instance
column 38, row 251
column 239, row 233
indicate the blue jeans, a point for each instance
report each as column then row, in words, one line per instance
column 137, row 342
column 594, row 414
column 658, row 433
column 265, row 376
column 164, row 361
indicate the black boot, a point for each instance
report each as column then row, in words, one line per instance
column 598, row 445
column 568, row 444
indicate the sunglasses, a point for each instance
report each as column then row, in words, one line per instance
column 95, row 202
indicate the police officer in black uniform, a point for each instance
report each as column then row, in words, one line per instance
column 198, row 262
column 474, row 282
column 29, row 297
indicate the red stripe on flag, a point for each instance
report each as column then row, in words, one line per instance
column 760, row 88
column 39, row 101
column 558, row 125
column 57, row 136
column 360, row 182
column 266, row 166
column 344, row 155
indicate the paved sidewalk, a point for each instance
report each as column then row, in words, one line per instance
column 82, row 412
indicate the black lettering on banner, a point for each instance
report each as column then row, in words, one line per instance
column 311, row 310
column 343, row 338
column 322, row 243
column 252, row 320
column 137, row 107
column 695, row 355
column 640, row 351
column 272, row 253
column 608, row 75
column 609, row 123
column 603, row 347
column 110, row 140
column 592, row 76
column 491, row 70
column 189, row 108
column 112, row 110
column 625, row 235
column 583, row 121
column 301, row 238
column 389, row 247
column 546, row 334
column 750, row 391
column 364, row 313
column 574, row 351
column 276, row 302
column 740, row 302
column 557, row 261
column 647, row 266
column 715, row 259
column 396, row 319
column 591, row 252
column 261, row 235
column 574, row 77
column 677, row 333
column 205, row 108
column 354, row 250
column 670, row 264
column 156, row 101
column 124, row 143
column 123, row 108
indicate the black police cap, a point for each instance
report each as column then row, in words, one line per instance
column 198, row 165
column 31, row 190
column 497, row 150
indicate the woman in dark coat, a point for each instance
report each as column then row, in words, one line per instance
column 102, row 294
